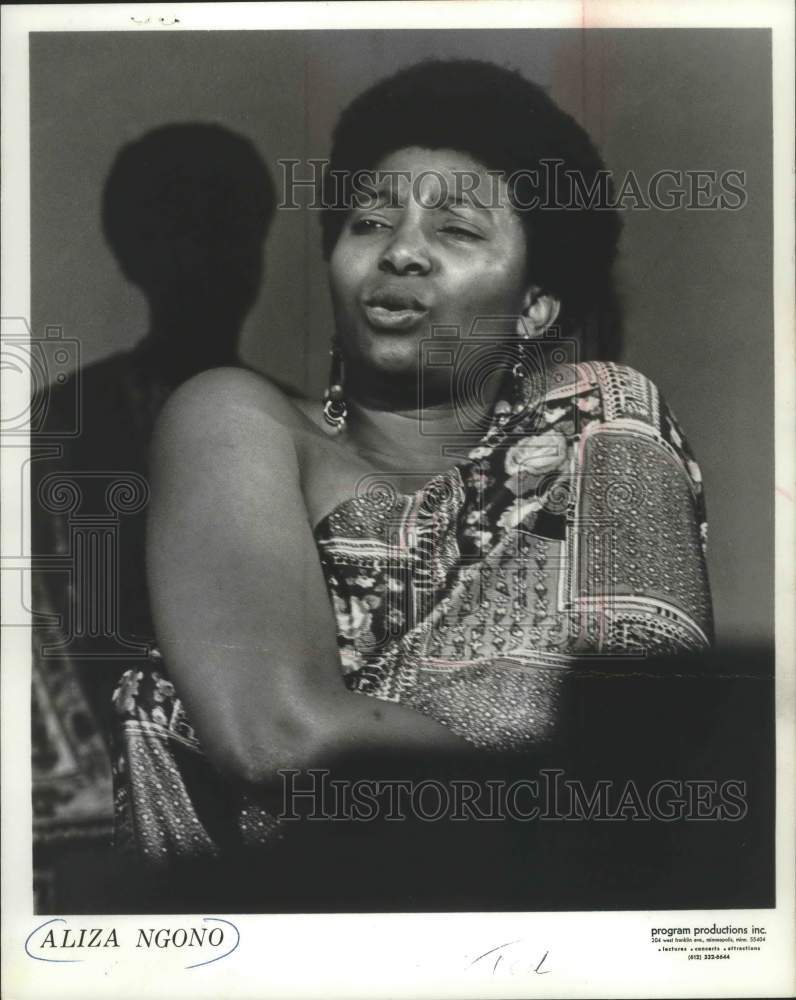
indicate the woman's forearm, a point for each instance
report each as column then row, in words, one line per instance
column 354, row 727
column 309, row 718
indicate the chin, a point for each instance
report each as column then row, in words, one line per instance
column 398, row 353
column 395, row 363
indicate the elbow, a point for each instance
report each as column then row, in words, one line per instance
column 254, row 766
column 258, row 759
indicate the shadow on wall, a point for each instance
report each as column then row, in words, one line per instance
column 186, row 209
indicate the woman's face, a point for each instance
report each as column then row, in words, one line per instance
column 424, row 254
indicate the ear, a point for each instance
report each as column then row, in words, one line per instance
column 540, row 311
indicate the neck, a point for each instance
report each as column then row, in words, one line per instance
column 412, row 438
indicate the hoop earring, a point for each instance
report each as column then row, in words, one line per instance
column 335, row 408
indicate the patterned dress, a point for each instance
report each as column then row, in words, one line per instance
column 574, row 530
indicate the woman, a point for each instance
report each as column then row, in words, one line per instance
column 470, row 510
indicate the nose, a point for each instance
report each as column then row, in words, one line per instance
column 406, row 253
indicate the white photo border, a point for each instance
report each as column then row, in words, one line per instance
column 396, row 955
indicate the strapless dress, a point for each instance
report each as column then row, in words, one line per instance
column 573, row 528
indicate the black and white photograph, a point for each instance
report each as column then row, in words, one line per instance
column 398, row 487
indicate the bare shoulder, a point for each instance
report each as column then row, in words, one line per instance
column 225, row 432
column 218, row 441
column 225, row 402
column 224, row 454
column 237, row 423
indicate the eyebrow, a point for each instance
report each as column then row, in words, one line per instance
column 459, row 202
column 387, row 196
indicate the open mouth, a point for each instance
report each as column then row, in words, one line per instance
column 389, row 310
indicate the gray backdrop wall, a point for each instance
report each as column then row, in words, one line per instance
column 696, row 285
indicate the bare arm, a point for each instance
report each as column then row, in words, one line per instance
column 241, row 608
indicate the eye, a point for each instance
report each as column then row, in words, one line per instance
column 461, row 232
column 362, row 226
